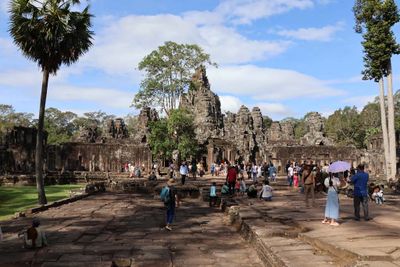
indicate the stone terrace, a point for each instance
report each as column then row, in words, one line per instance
column 115, row 229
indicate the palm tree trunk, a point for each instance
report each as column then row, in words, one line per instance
column 384, row 128
column 391, row 129
column 39, row 141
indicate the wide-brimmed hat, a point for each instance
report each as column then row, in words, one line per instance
column 171, row 182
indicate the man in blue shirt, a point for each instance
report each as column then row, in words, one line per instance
column 360, row 181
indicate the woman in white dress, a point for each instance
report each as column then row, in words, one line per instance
column 332, row 201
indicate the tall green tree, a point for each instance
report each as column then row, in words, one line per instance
column 344, row 127
column 50, row 33
column 9, row 118
column 168, row 72
column 59, row 125
column 375, row 19
column 173, row 133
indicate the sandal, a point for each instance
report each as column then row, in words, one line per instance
column 325, row 221
column 334, row 224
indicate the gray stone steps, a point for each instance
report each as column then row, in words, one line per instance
column 276, row 243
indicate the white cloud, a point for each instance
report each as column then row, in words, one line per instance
column 233, row 103
column 16, row 78
column 275, row 109
column 359, row 101
column 246, row 11
column 230, row 103
column 323, row 34
column 123, row 44
column 106, row 97
column 267, row 83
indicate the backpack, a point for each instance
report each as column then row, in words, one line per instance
column 165, row 195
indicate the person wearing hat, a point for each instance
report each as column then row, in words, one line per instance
column 171, row 203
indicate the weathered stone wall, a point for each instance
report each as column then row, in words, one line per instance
column 322, row 155
column 108, row 157
column 17, row 150
column 17, row 154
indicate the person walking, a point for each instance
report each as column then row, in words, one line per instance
column 171, row 201
column 308, row 181
column 360, row 181
column 272, row 172
column 183, row 170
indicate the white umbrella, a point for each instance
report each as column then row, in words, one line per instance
column 339, row 166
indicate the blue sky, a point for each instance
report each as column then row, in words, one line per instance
column 288, row 57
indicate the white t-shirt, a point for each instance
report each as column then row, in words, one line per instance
column 266, row 191
column 290, row 171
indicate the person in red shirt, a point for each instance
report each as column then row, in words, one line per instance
column 231, row 179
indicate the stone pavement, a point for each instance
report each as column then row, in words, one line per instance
column 113, row 229
column 292, row 235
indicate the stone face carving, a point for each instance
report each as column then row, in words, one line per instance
column 120, row 129
column 205, row 105
column 274, row 133
column 315, row 126
column 88, row 134
column 258, row 126
column 146, row 116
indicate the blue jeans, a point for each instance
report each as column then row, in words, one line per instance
column 290, row 180
column 170, row 214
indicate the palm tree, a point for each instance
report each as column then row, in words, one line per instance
column 51, row 34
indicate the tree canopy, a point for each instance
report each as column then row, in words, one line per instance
column 173, row 133
column 59, row 125
column 375, row 19
column 168, row 72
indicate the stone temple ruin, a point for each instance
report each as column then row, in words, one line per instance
column 231, row 136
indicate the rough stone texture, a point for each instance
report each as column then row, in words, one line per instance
column 146, row 116
column 126, row 230
column 17, row 150
column 107, row 157
column 116, row 129
column 233, row 136
column 206, row 106
column 315, row 126
column 286, row 233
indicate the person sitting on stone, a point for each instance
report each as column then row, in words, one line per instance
column 153, row 176
column 225, row 189
column 377, row 195
column 34, row 236
column 266, row 192
column 252, row 191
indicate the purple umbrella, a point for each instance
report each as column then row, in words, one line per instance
column 339, row 166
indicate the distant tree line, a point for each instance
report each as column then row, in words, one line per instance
column 345, row 126
column 61, row 126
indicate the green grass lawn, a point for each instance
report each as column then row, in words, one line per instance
column 20, row 198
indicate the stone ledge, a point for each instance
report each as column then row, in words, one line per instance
column 90, row 190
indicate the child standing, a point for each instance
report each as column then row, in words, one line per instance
column 295, row 178
column 242, row 186
column 213, row 194
column 237, row 187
